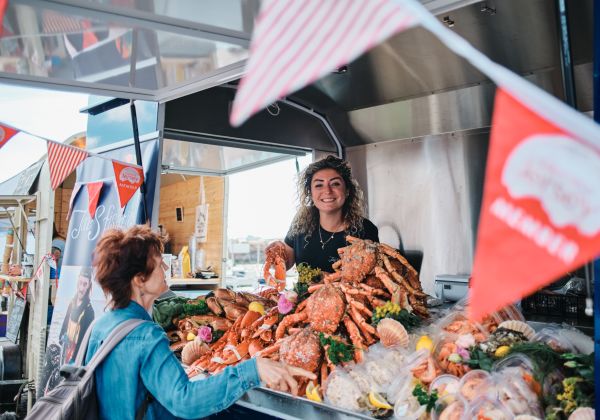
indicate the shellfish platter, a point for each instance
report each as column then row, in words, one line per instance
column 366, row 332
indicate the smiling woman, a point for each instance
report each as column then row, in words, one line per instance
column 331, row 207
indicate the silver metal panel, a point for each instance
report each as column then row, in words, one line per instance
column 445, row 112
column 285, row 406
column 427, row 191
column 520, row 35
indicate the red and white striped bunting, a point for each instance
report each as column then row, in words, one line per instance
column 296, row 42
column 63, row 160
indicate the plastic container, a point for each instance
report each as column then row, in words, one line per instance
column 444, row 385
column 476, row 383
column 408, row 409
column 517, row 396
column 445, row 346
column 518, row 366
column 342, row 391
column 449, row 407
column 553, row 338
column 488, row 408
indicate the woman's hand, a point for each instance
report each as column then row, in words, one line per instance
column 279, row 376
column 288, row 251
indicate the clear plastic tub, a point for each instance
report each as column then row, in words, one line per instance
column 554, row 339
column 517, row 396
column 445, row 349
column 518, row 365
column 476, row 383
column 488, row 408
column 449, row 407
column 445, row 384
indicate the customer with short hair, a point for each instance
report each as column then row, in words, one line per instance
column 130, row 270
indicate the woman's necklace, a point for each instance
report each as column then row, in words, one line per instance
column 321, row 238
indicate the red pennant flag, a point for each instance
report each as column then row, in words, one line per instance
column 3, row 7
column 128, row 180
column 6, row 133
column 62, row 160
column 539, row 217
column 94, row 189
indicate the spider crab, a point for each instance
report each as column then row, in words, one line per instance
column 324, row 311
column 369, row 265
column 275, row 257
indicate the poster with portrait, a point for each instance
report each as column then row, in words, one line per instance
column 79, row 299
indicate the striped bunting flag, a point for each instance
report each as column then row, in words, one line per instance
column 296, row 42
column 62, row 160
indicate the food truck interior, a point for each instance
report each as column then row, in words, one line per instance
column 411, row 117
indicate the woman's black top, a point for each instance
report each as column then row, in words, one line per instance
column 309, row 250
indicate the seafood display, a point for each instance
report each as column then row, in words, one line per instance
column 366, row 333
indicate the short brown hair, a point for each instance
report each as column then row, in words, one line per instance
column 120, row 255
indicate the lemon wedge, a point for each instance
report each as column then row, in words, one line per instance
column 501, row 351
column 312, row 392
column 424, row 343
column 190, row 336
column 378, row 401
column 257, row 307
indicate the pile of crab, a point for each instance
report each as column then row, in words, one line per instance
column 195, row 335
column 336, row 314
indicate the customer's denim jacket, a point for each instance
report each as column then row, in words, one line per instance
column 143, row 363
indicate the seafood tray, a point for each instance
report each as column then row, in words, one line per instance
column 286, row 406
column 554, row 304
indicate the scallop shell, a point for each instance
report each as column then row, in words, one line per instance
column 392, row 333
column 192, row 352
column 583, row 413
column 519, row 326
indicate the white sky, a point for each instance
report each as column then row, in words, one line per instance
column 51, row 114
column 262, row 202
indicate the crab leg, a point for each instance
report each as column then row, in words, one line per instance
column 355, row 337
column 268, row 350
column 362, row 308
column 365, row 327
column 288, row 321
column 389, row 284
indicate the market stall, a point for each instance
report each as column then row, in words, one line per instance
column 413, row 120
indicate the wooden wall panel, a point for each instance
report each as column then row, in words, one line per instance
column 62, row 196
column 186, row 194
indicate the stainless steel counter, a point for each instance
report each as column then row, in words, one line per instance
column 285, row 406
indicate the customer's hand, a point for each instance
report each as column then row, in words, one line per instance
column 279, row 376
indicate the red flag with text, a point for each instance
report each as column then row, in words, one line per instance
column 540, row 212
column 6, row 133
column 93, row 189
column 128, row 179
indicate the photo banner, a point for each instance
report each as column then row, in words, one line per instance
column 79, row 299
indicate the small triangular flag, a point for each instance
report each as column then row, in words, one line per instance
column 6, row 133
column 128, row 179
column 93, row 189
column 63, row 160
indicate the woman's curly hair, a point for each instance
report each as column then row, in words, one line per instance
column 120, row 255
column 306, row 220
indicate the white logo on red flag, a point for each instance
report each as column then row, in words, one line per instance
column 540, row 215
column 128, row 179
column 6, row 133
column 62, row 160
column 93, row 189
column 296, row 42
